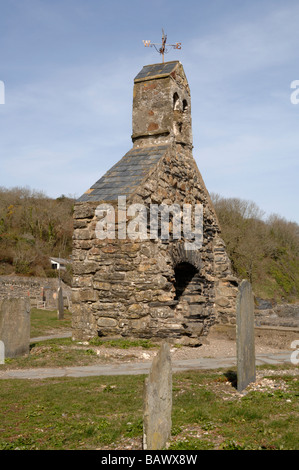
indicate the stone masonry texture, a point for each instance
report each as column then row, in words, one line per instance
column 152, row 287
column 40, row 291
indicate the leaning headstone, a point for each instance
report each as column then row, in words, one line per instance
column 158, row 401
column 15, row 326
column 246, row 372
column 60, row 306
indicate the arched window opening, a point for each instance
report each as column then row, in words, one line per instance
column 176, row 102
column 185, row 106
column 184, row 273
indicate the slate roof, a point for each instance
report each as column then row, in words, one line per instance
column 126, row 175
column 156, row 71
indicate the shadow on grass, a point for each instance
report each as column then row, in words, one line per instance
column 231, row 376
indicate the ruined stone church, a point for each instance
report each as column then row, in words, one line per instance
column 151, row 286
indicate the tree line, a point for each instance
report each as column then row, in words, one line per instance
column 263, row 250
column 34, row 227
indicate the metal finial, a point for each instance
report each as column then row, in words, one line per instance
column 163, row 49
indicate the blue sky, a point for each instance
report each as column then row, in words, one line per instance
column 68, row 67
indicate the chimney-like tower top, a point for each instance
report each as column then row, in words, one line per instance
column 161, row 117
column 161, row 105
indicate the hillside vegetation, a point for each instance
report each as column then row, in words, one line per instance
column 266, row 252
column 34, row 227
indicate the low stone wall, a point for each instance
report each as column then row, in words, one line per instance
column 42, row 292
column 283, row 315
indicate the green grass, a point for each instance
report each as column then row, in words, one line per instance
column 257, row 420
column 106, row 412
column 53, row 353
column 69, row 413
column 123, row 343
column 64, row 352
column 45, row 322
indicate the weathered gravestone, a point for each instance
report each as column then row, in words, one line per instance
column 245, row 336
column 60, row 305
column 15, row 326
column 158, row 401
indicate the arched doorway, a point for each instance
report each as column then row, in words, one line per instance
column 184, row 273
column 188, row 289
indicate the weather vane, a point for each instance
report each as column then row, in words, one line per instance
column 163, row 49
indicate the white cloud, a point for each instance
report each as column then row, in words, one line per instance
column 248, row 46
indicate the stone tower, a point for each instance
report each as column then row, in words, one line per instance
column 143, row 283
column 162, row 106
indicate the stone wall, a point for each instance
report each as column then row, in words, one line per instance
column 161, row 107
column 152, row 287
column 279, row 315
column 128, row 288
column 42, row 292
